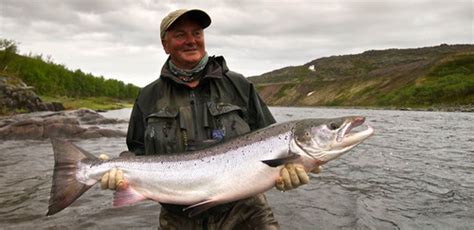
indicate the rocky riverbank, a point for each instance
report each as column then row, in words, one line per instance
column 81, row 124
column 16, row 96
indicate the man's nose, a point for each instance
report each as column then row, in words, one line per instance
column 189, row 39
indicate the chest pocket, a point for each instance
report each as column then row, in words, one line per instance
column 163, row 134
column 227, row 120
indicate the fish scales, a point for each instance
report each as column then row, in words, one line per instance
column 183, row 185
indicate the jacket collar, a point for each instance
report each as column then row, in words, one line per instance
column 215, row 68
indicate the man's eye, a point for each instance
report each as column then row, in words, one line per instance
column 197, row 33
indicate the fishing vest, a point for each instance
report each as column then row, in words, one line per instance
column 177, row 118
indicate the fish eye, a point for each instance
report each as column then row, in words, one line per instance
column 333, row 126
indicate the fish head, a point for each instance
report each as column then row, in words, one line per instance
column 326, row 139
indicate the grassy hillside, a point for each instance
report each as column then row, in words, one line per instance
column 52, row 79
column 441, row 76
column 54, row 82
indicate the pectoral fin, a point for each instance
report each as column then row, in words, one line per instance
column 200, row 207
column 281, row 161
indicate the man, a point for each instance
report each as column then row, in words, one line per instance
column 196, row 102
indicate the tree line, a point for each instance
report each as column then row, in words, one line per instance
column 51, row 79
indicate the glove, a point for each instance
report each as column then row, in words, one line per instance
column 112, row 179
column 292, row 176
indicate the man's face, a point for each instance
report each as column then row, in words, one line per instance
column 184, row 42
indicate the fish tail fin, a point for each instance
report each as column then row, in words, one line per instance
column 65, row 187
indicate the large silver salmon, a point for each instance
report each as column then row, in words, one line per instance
column 236, row 169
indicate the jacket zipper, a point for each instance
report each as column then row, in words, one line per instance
column 194, row 115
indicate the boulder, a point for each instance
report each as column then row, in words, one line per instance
column 64, row 124
column 91, row 117
column 24, row 129
column 15, row 95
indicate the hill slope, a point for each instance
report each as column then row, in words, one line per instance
column 54, row 82
column 52, row 79
column 437, row 76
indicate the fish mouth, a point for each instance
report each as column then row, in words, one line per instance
column 348, row 138
column 343, row 139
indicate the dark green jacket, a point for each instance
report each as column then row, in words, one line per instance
column 170, row 117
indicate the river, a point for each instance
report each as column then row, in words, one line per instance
column 416, row 172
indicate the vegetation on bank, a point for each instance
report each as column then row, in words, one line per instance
column 95, row 103
column 431, row 77
column 55, row 82
column 449, row 83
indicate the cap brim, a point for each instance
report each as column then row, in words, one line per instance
column 197, row 15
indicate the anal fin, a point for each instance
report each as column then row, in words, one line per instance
column 127, row 196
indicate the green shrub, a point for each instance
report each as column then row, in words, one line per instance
column 56, row 80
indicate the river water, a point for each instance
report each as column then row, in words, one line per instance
column 416, row 172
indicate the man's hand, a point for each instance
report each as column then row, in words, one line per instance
column 292, row 176
column 112, row 179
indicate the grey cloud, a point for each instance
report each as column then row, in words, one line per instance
column 255, row 36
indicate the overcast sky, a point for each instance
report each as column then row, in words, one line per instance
column 120, row 38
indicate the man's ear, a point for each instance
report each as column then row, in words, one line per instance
column 165, row 46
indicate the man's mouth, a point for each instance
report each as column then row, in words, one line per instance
column 190, row 50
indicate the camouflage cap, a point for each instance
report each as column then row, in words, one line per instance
column 198, row 15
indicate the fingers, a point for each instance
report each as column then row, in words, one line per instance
column 303, row 177
column 291, row 176
column 285, row 176
column 104, row 157
column 295, row 180
column 104, row 181
column 279, row 184
column 112, row 178
column 316, row 170
column 120, row 182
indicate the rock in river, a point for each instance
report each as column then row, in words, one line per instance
column 65, row 124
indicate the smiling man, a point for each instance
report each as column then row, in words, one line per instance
column 197, row 102
column 184, row 42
